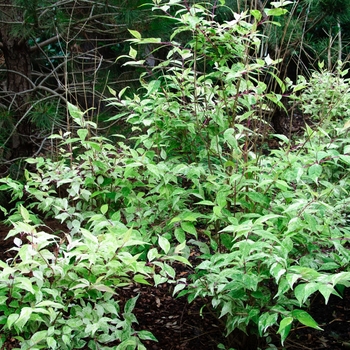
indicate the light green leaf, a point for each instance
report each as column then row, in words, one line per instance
column 82, row 133
column 154, row 170
column 266, row 320
column 74, row 111
column 230, row 138
column 113, row 92
column 276, row 12
column 23, row 317
column 103, row 288
column 141, row 279
column 315, row 171
column 152, row 254
column 24, row 213
column 189, row 227
column 227, row 308
column 11, row 319
column 180, row 247
column 132, row 52
column 326, row 290
column 169, row 270
column 152, row 87
column 304, row 290
column 205, row 202
column 180, row 234
column 179, row 287
column 292, row 278
column 256, row 14
column 346, row 125
column 146, row 335
column 284, row 328
column 24, row 283
column 277, row 270
column 50, row 303
column 175, row 219
column 178, row 258
column 39, row 336
column 281, row 3
column 89, row 236
column 135, row 33
column 189, row 216
column 164, row 244
column 104, row 209
column 51, row 342
column 130, row 305
column 158, row 279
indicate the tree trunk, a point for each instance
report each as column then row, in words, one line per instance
column 17, row 60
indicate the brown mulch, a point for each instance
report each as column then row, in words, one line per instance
column 179, row 325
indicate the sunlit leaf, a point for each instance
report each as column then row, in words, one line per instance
column 164, row 244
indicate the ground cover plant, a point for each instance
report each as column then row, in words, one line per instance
column 271, row 224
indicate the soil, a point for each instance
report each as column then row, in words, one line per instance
column 179, row 325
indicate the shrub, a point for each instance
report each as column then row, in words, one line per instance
column 272, row 228
column 61, row 291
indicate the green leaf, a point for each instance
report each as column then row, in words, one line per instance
column 284, row 328
column 189, row 227
column 276, row 12
column 146, row 335
column 266, row 320
column 23, row 317
column 292, row 278
column 179, row 287
column 82, row 133
column 132, row 52
column 164, row 244
column 180, row 234
column 11, row 319
column 152, row 254
column 49, row 303
column 152, row 87
column 304, row 290
column 141, row 279
column 205, row 202
column 277, row 270
column 256, row 14
column 154, row 170
column 51, row 342
column 89, row 236
column 230, row 138
column 304, row 318
column 24, row 213
column 169, row 270
column 135, row 33
column 74, row 111
column 39, row 337
column 190, row 216
column 315, row 171
column 104, row 209
column 103, row 288
column 175, row 219
column 158, row 279
column 24, row 283
column 130, row 305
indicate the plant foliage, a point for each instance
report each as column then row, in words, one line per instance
column 272, row 227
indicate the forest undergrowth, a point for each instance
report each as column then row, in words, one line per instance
column 271, row 225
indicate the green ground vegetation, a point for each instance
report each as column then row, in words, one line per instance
column 196, row 164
